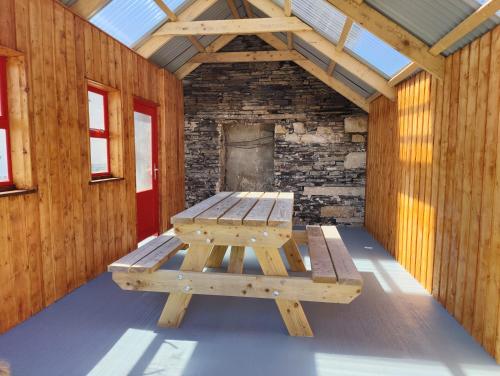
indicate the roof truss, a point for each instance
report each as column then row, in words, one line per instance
column 391, row 33
column 313, row 38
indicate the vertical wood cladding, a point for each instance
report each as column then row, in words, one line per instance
column 65, row 233
column 312, row 148
column 433, row 184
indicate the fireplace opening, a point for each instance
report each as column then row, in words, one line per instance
column 248, row 157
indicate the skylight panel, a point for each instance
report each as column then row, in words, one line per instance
column 320, row 15
column 129, row 20
column 374, row 52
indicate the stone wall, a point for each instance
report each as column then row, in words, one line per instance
column 319, row 142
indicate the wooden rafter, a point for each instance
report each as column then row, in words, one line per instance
column 340, row 45
column 287, row 8
column 215, row 46
column 87, row 8
column 171, row 15
column 359, row 69
column 319, row 73
column 153, row 43
column 248, row 9
column 173, row 18
column 246, row 56
column 233, row 26
column 391, row 33
column 470, row 23
column 343, row 35
column 233, row 8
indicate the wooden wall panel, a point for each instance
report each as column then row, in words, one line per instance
column 433, row 185
column 65, row 233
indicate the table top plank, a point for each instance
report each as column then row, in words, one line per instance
column 236, row 214
column 188, row 215
column 259, row 214
column 212, row 215
column 282, row 211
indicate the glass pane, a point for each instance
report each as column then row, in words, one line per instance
column 4, row 167
column 99, row 155
column 143, row 152
column 96, row 111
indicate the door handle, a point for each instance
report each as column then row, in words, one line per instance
column 155, row 172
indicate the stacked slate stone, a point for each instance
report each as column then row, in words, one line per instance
column 319, row 141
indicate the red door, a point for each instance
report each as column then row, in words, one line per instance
column 146, row 168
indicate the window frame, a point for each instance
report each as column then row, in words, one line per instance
column 4, row 122
column 98, row 133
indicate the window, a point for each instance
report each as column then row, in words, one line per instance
column 99, row 132
column 5, row 157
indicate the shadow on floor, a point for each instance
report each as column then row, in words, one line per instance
column 394, row 328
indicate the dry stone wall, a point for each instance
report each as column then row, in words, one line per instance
column 319, row 136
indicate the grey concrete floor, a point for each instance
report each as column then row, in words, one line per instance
column 394, row 328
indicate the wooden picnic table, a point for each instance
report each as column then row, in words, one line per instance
column 235, row 220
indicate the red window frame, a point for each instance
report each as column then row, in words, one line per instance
column 4, row 119
column 99, row 133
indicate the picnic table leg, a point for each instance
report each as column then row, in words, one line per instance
column 216, row 257
column 177, row 303
column 236, row 260
column 293, row 256
column 291, row 310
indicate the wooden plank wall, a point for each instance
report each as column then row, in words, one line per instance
column 433, row 189
column 65, row 233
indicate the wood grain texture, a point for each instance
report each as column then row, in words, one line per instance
column 436, row 149
column 67, row 232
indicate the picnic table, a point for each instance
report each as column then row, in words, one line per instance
column 233, row 221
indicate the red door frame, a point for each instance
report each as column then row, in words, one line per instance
column 143, row 229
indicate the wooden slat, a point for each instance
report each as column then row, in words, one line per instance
column 321, row 262
column 87, row 8
column 212, row 215
column 342, row 261
column 259, row 214
column 282, row 211
column 154, row 260
column 126, row 262
column 235, row 215
column 188, row 215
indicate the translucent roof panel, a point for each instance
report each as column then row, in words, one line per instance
column 373, row 51
column 129, row 20
column 320, row 15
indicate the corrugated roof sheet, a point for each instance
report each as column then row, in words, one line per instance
column 131, row 20
column 319, row 14
column 430, row 20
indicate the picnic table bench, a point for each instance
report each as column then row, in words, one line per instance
column 262, row 221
